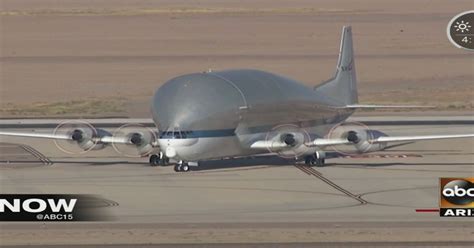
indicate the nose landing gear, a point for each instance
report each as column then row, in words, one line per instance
column 181, row 167
column 162, row 160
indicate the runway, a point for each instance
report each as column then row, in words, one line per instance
column 371, row 199
column 286, row 245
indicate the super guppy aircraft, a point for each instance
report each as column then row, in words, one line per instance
column 235, row 113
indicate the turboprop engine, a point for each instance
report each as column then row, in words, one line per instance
column 134, row 140
column 359, row 135
column 287, row 140
column 131, row 140
column 78, row 137
column 361, row 140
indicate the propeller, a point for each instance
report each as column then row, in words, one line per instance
column 134, row 140
column 77, row 135
column 287, row 140
column 353, row 137
column 355, row 132
column 82, row 136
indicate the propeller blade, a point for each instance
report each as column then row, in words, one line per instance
column 134, row 140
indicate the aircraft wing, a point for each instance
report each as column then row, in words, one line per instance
column 130, row 140
column 369, row 106
column 276, row 145
column 269, row 144
column 102, row 139
column 37, row 135
column 388, row 139
column 417, row 138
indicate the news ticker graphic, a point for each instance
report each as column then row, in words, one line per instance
column 54, row 207
column 456, row 197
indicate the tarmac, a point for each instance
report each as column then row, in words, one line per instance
column 370, row 200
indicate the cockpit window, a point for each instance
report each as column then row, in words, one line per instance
column 176, row 134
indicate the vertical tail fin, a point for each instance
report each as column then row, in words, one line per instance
column 343, row 86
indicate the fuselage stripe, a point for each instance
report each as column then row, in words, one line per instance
column 197, row 134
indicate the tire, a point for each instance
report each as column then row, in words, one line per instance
column 154, row 160
column 177, row 168
column 319, row 162
column 185, row 168
column 165, row 161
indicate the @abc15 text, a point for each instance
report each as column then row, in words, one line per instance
column 53, row 207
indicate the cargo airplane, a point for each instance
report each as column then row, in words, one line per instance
column 236, row 113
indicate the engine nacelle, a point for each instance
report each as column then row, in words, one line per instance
column 362, row 138
column 366, row 146
column 86, row 145
column 141, row 142
column 286, row 140
column 136, row 140
column 78, row 137
column 87, row 140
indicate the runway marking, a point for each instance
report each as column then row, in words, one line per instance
column 358, row 244
column 312, row 172
column 19, row 154
column 430, row 210
column 45, row 160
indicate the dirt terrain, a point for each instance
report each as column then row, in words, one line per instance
column 100, row 58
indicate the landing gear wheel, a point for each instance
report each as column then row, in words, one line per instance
column 320, row 162
column 309, row 160
column 182, row 167
column 185, row 167
column 154, row 160
column 164, row 161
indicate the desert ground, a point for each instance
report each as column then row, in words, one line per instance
column 103, row 58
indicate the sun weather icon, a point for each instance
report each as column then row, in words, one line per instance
column 462, row 26
column 459, row 30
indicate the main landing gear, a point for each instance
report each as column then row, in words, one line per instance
column 159, row 159
column 317, row 159
column 310, row 160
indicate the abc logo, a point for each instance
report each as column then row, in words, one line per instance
column 458, row 192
